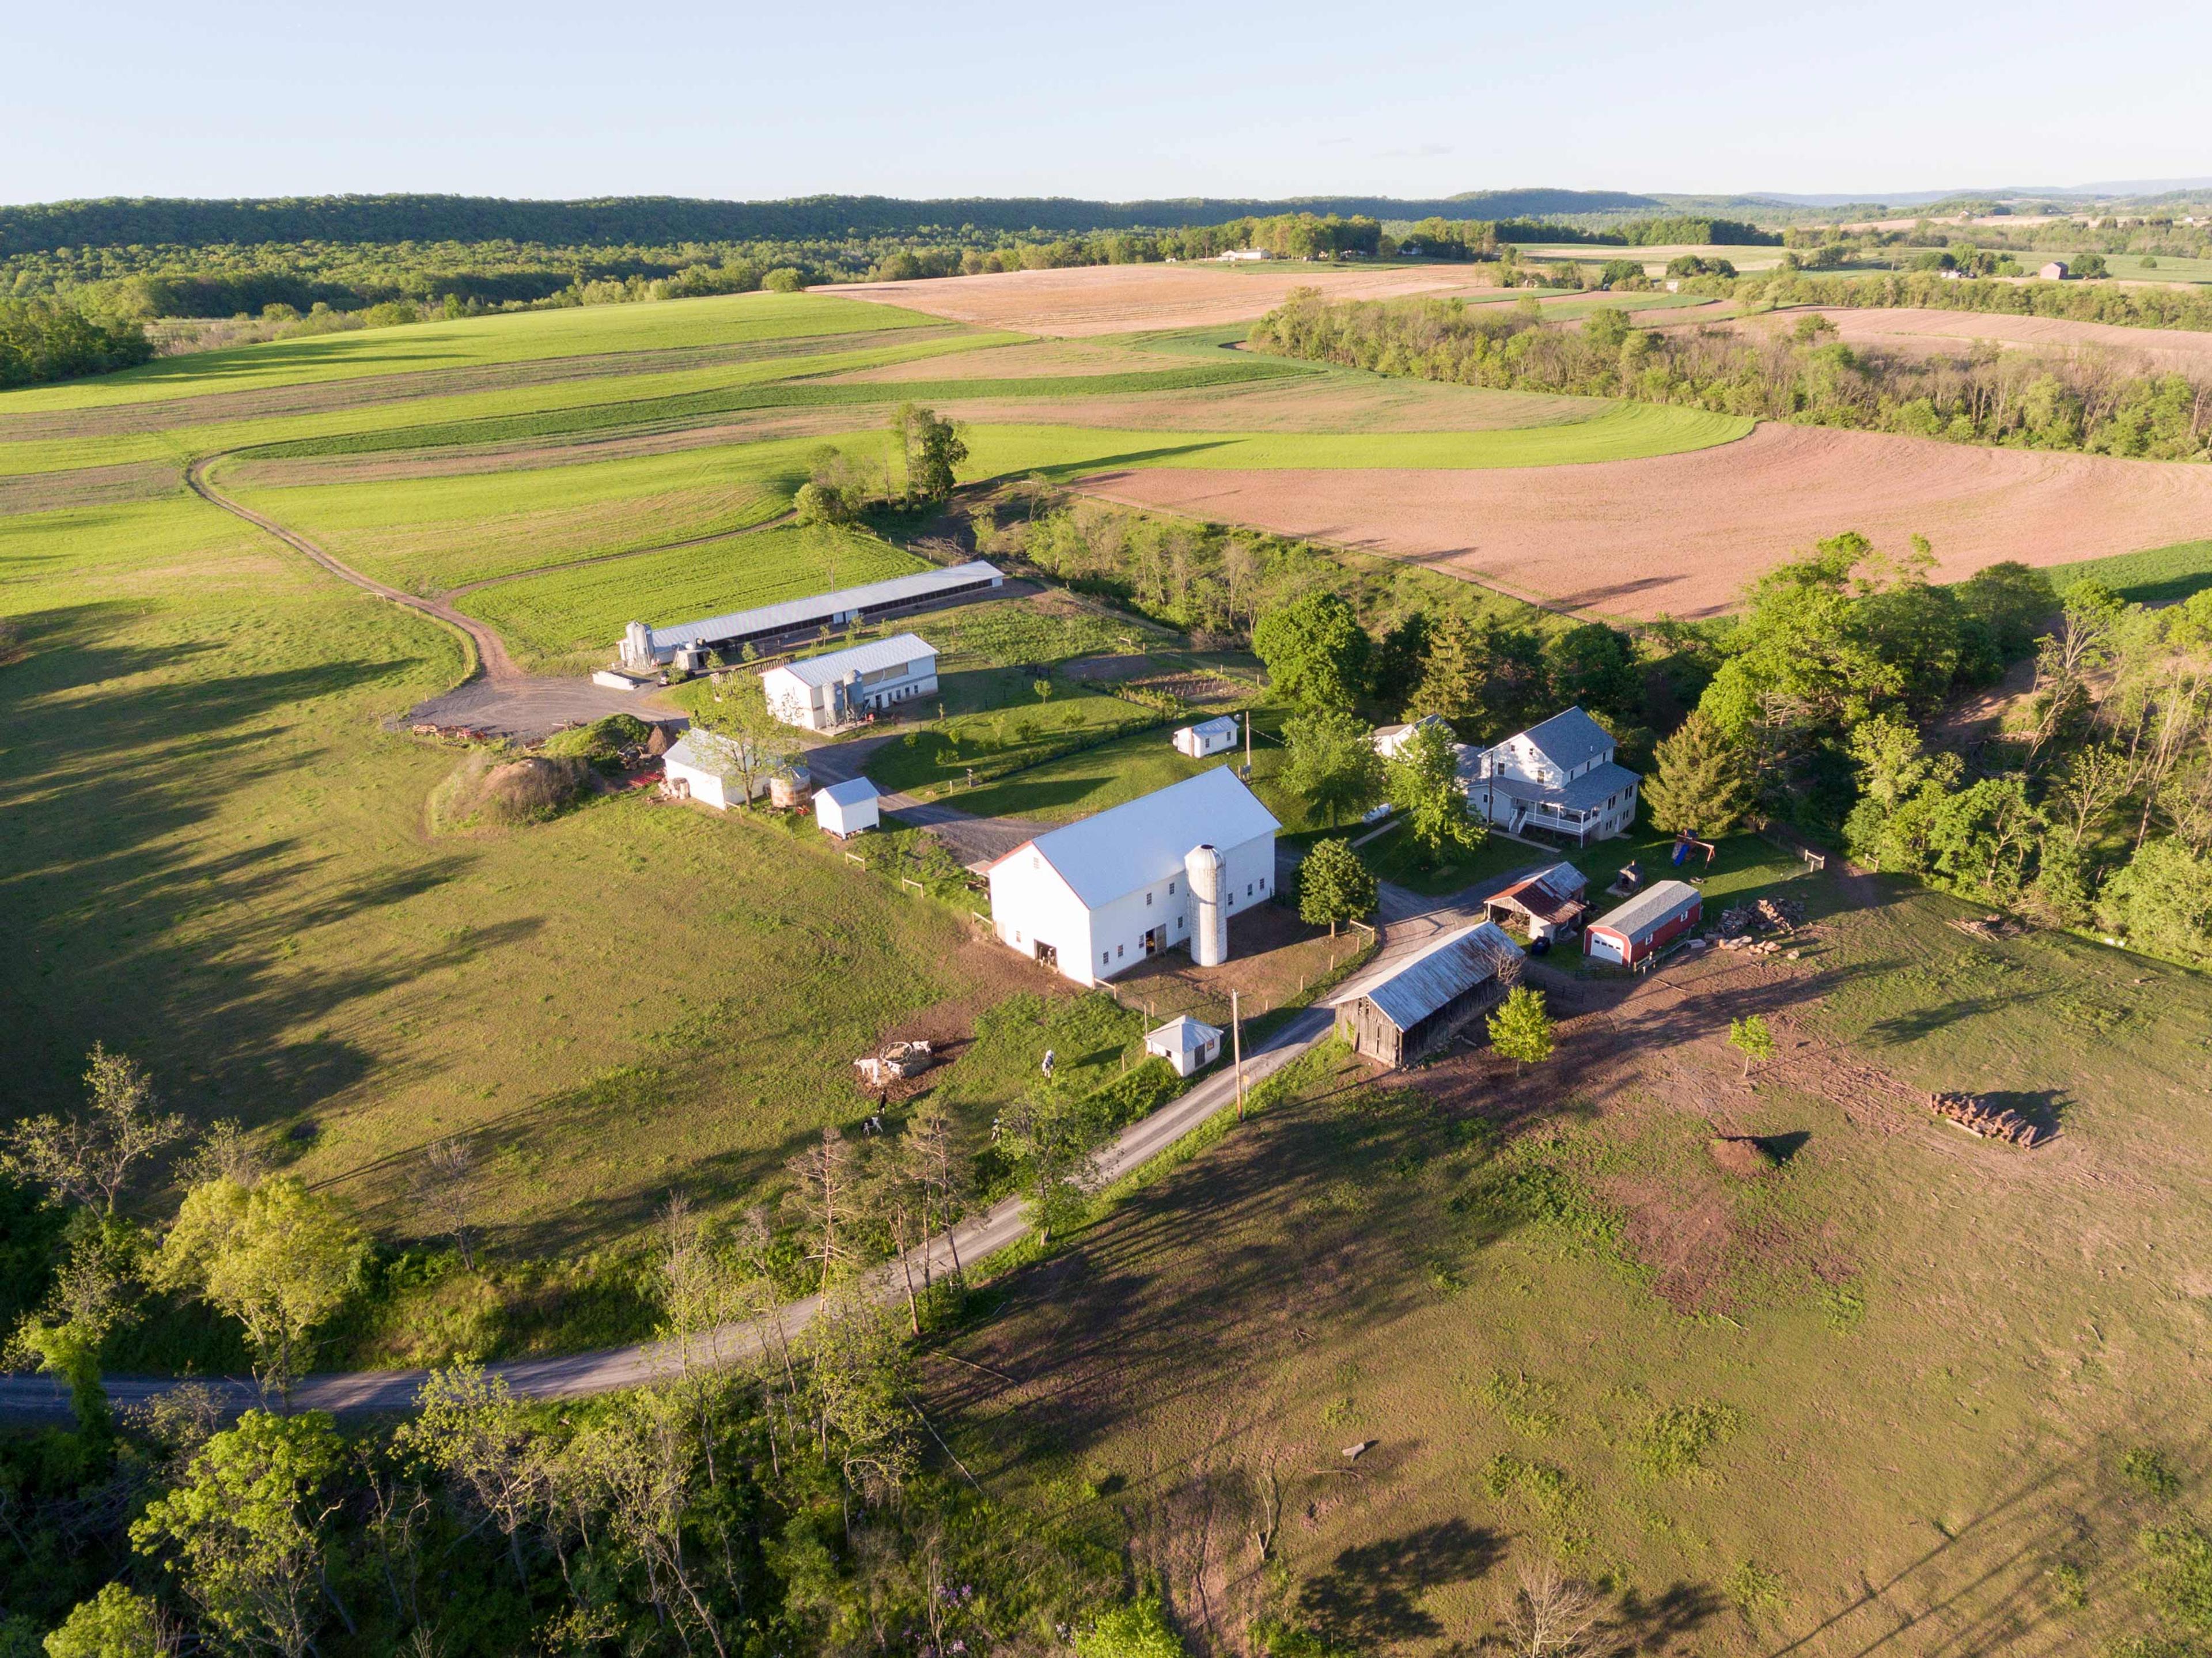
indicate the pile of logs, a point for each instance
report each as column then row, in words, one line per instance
column 1751, row 946
column 1990, row 927
column 1989, row 1122
column 895, row 1064
column 1766, row 916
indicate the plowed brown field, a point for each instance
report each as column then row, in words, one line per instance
column 1121, row 298
column 1905, row 329
column 1681, row 534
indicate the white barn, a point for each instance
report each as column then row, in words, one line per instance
column 822, row 693
column 1216, row 736
column 1559, row 777
column 847, row 808
column 1172, row 868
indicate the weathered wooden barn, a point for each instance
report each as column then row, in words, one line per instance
column 1413, row 1007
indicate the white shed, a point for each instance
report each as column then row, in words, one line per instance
column 1185, row 1043
column 1093, row 898
column 707, row 767
column 1216, row 736
column 846, row 808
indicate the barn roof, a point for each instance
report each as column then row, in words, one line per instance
column 1648, row 909
column 1569, row 740
column 832, row 665
column 1446, row 968
column 819, row 607
column 851, row 792
column 1131, row 846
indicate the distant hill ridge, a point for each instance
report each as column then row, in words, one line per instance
column 119, row 221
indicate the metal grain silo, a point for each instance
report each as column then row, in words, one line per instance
column 1209, row 916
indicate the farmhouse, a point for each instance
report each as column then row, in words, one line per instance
column 1646, row 924
column 1542, row 905
column 1388, row 739
column 709, row 769
column 1185, row 1043
column 1557, row 778
column 1208, row 737
column 2056, row 271
column 645, row 647
column 822, row 693
column 1420, row 1004
column 1094, row 897
column 846, row 808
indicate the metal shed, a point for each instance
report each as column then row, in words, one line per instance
column 1419, row 1005
column 1647, row 923
column 1185, row 1043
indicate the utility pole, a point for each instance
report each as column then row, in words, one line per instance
column 1237, row 1042
column 1248, row 745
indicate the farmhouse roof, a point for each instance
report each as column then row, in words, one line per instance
column 1183, row 1033
column 1444, row 969
column 1569, row 740
column 1218, row 725
column 850, row 792
column 1588, row 790
column 1134, row 845
column 1648, row 909
column 816, row 608
column 832, row 665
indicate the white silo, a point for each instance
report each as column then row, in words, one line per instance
column 1209, row 917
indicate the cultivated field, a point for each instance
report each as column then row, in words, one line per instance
column 1682, row 535
column 2140, row 350
column 1871, row 1387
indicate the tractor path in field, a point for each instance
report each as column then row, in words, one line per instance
column 496, row 696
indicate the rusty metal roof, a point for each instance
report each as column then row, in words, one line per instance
column 1447, row 969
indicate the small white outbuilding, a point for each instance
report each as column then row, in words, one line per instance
column 1216, row 736
column 709, row 769
column 1185, row 1043
column 846, row 808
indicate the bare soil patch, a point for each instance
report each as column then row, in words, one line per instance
column 88, row 486
column 1121, row 298
column 1682, row 534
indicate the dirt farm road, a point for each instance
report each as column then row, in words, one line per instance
column 497, row 695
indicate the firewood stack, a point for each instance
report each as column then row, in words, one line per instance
column 1990, row 1123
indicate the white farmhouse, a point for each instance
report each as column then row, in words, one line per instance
column 1172, row 868
column 825, row 692
column 1391, row 739
column 1559, row 777
column 1216, row 736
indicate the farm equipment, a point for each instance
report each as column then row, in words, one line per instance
column 1989, row 1122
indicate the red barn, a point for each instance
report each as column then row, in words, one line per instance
column 1646, row 923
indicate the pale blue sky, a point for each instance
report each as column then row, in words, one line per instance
column 1152, row 98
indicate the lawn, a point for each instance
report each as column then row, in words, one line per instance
column 573, row 618
column 1884, row 1397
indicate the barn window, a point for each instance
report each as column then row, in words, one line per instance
column 1120, row 949
column 1148, row 901
column 1170, row 888
column 1104, row 959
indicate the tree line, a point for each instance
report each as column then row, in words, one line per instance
column 41, row 340
column 1980, row 394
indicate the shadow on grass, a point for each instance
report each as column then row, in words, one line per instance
column 1371, row 1594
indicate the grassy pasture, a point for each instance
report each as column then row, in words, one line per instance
column 571, row 619
column 1892, row 1384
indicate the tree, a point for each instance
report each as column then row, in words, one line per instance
column 91, row 1297
column 2162, row 901
column 1593, row 666
column 1701, row 784
column 1052, row 1139
column 1423, row 778
column 1316, row 652
column 1332, row 762
column 760, row 745
column 1136, row 1629
column 1750, row 1037
column 470, row 1430
column 1549, row 1615
column 925, row 1151
column 1453, row 674
column 246, row 1529
column 1334, row 885
column 827, row 1196
column 278, row 1258
column 445, row 1187
column 932, row 449
column 116, row 1622
column 855, row 1375
column 1520, row 1029
column 87, row 1159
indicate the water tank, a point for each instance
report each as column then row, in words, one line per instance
column 1209, row 916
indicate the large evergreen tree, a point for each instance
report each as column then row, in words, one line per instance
column 1702, row 784
column 1453, row 676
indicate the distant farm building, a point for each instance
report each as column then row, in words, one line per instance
column 1185, row 1043
column 2056, row 271
column 709, row 769
column 1244, row 255
column 847, row 808
column 822, row 693
column 1420, row 1004
column 1092, row 898
column 1389, row 739
column 1558, row 778
column 1645, row 925
column 645, row 647
column 1208, row 737
column 1543, row 905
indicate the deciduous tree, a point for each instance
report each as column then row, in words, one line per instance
column 1332, row 762
column 87, row 1158
column 1334, row 885
column 1316, row 652
column 1423, row 778
column 1751, row 1037
column 1520, row 1029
